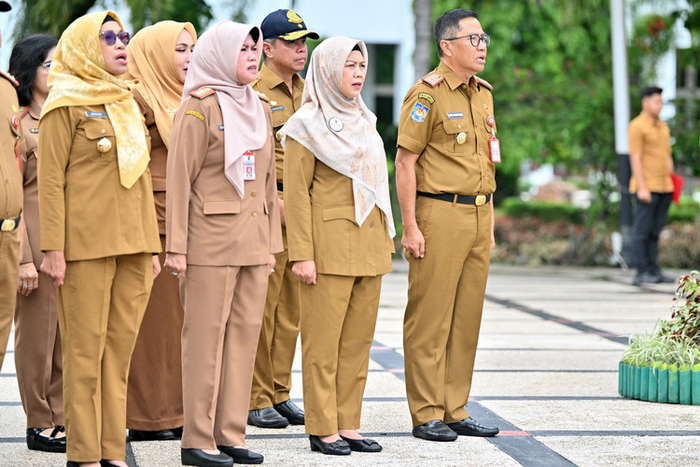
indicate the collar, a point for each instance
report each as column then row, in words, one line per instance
column 649, row 119
column 453, row 81
column 272, row 80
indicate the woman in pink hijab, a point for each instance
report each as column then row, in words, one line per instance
column 222, row 229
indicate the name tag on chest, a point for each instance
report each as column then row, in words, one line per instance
column 96, row 114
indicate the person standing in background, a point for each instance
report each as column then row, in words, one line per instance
column 284, row 54
column 652, row 166
column 38, row 357
column 445, row 177
column 98, row 228
column 159, row 57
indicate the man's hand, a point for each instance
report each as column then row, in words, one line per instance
column 156, row 266
column 28, row 279
column 305, row 271
column 271, row 263
column 175, row 263
column 413, row 241
column 54, row 265
column 644, row 195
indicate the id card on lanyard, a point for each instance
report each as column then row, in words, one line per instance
column 248, row 166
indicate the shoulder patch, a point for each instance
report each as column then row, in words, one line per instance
column 201, row 93
column 419, row 113
column 433, row 78
column 262, row 97
column 483, row 82
column 9, row 78
column 426, row 96
column 194, row 113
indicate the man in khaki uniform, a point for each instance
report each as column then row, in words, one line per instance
column 652, row 167
column 445, row 170
column 10, row 200
column 285, row 52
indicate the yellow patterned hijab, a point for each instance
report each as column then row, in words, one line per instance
column 78, row 77
column 152, row 63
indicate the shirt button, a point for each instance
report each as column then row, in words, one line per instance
column 253, row 194
column 255, row 214
column 459, row 126
column 103, row 131
column 371, row 226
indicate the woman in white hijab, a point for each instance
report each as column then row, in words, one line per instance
column 340, row 231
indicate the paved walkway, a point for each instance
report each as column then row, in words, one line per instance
column 546, row 374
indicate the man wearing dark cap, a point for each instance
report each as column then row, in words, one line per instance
column 10, row 199
column 285, row 54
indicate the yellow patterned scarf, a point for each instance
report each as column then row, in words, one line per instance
column 78, row 77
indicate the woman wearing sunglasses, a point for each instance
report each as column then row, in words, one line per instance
column 223, row 228
column 37, row 340
column 159, row 57
column 98, row 229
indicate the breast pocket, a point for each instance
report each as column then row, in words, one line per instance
column 457, row 137
column 100, row 141
column 221, row 207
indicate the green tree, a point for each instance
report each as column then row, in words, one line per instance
column 49, row 17
column 146, row 12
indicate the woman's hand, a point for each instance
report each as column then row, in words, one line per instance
column 271, row 263
column 175, row 263
column 28, row 279
column 156, row 266
column 54, row 264
column 305, row 271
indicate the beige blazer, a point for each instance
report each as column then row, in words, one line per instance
column 206, row 219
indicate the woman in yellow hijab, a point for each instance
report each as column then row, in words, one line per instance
column 98, row 229
column 159, row 57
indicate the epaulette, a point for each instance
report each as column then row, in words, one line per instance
column 263, row 97
column 433, row 78
column 10, row 78
column 201, row 93
column 483, row 82
column 23, row 111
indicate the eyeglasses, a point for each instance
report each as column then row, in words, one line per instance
column 46, row 65
column 110, row 37
column 474, row 39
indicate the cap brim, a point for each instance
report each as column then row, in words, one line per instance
column 294, row 35
column 4, row 6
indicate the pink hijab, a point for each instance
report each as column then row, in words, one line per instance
column 213, row 65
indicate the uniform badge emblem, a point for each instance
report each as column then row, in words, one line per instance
column 461, row 137
column 276, row 108
column 335, row 124
column 490, row 121
column 194, row 113
column 104, row 145
column 419, row 113
column 426, row 96
column 293, row 17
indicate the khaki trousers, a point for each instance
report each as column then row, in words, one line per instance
column 445, row 301
column 223, row 314
column 9, row 274
column 272, row 378
column 38, row 356
column 338, row 316
column 154, row 397
column 100, row 307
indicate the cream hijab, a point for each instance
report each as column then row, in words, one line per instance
column 78, row 77
column 342, row 132
column 214, row 65
column 152, row 64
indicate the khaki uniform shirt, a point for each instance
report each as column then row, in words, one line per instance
column 652, row 140
column 321, row 220
column 10, row 137
column 84, row 209
column 205, row 218
column 158, row 163
column 31, row 252
column 282, row 105
column 447, row 125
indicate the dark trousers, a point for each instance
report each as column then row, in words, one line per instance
column 648, row 223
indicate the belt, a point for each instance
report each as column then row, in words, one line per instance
column 280, row 186
column 8, row 225
column 478, row 200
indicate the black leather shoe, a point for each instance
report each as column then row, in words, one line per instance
column 646, row 277
column 202, row 459
column 434, row 430
column 242, row 456
column 158, row 435
column 336, row 448
column 291, row 412
column 470, row 427
column 363, row 445
column 38, row 442
column 72, row 464
column 267, row 418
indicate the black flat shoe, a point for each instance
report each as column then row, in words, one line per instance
column 202, row 459
column 470, row 427
column 72, row 464
column 267, row 418
column 291, row 412
column 38, row 442
column 158, row 435
column 336, row 448
column 434, row 430
column 241, row 455
column 106, row 463
column 363, row 445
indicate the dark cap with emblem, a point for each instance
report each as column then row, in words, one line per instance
column 5, row 6
column 286, row 25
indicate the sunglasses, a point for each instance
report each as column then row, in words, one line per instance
column 110, row 37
